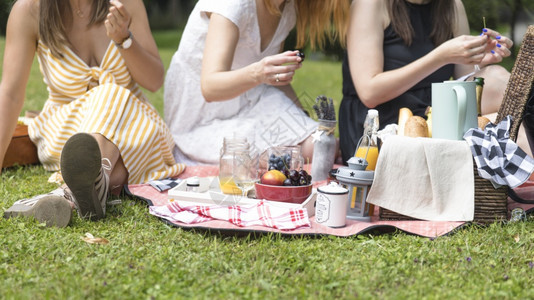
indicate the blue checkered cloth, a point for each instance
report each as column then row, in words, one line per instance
column 498, row 158
column 164, row 184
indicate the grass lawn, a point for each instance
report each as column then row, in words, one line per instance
column 147, row 259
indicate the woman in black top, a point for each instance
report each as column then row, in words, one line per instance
column 397, row 48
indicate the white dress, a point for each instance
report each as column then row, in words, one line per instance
column 264, row 114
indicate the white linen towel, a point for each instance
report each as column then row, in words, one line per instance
column 424, row 178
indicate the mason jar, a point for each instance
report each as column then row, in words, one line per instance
column 230, row 146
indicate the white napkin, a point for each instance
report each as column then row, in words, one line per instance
column 424, row 178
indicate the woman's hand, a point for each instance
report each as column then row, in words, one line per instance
column 464, row 50
column 487, row 48
column 118, row 22
column 497, row 47
column 278, row 70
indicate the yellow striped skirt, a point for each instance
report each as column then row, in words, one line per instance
column 142, row 137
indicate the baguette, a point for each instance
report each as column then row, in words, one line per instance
column 404, row 114
column 416, row 126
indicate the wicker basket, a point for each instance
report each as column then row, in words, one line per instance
column 491, row 203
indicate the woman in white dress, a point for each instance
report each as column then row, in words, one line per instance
column 230, row 77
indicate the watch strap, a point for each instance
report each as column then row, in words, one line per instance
column 122, row 45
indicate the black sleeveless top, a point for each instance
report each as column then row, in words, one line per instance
column 397, row 54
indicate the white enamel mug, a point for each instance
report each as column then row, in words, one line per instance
column 331, row 205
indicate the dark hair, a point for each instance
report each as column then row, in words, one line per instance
column 443, row 20
column 53, row 14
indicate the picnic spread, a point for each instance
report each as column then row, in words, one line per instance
column 451, row 208
column 158, row 201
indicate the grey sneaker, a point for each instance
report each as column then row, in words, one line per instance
column 53, row 208
column 84, row 173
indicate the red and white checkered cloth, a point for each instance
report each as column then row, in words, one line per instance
column 261, row 214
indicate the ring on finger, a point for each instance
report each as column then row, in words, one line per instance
column 277, row 77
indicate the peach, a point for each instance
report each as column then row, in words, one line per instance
column 273, row 177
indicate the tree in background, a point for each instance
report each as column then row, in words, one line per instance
column 5, row 7
column 166, row 14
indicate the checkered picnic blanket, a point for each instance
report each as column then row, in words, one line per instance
column 258, row 214
column 498, row 158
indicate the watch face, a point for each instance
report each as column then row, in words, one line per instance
column 126, row 44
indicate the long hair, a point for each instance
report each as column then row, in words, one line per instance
column 443, row 20
column 53, row 14
column 318, row 20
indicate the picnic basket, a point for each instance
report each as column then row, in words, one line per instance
column 491, row 203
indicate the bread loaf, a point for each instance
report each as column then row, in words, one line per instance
column 416, row 127
column 404, row 114
column 482, row 122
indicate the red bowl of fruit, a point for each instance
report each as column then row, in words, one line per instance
column 276, row 186
column 291, row 194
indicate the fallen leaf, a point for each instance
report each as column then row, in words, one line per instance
column 90, row 239
column 516, row 238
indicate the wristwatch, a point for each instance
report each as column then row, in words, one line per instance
column 127, row 43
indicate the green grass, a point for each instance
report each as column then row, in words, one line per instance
column 147, row 259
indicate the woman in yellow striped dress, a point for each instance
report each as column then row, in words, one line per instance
column 96, row 126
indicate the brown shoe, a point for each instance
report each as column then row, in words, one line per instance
column 83, row 172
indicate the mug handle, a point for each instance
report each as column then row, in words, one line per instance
column 461, row 100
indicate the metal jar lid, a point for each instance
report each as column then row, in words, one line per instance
column 193, row 181
column 333, row 189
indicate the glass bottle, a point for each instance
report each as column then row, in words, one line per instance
column 324, row 150
column 368, row 149
column 479, row 88
column 368, row 145
column 231, row 145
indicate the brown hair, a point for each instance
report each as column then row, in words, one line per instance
column 443, row 20
column 53, row 14
column 317, row 20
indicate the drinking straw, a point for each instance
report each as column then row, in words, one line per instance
column 477, row 67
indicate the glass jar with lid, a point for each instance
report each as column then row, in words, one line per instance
column 282, row 158
column 230, row 146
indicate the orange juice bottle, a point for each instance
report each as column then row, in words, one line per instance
column 372, row 156
column 368, row 148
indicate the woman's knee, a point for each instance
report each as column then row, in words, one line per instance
column 495, row 82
